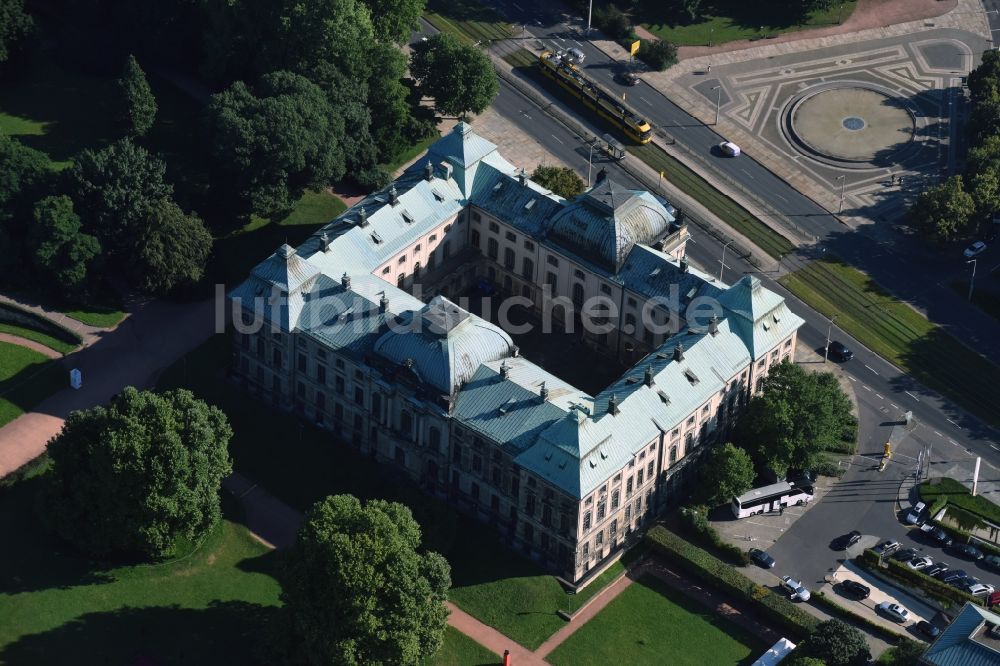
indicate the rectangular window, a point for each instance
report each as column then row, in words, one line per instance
column 579, row 274
column 476, row 217
column 631, row 302
column 477, row 464
column 552, row 281
column 515, row 487
column 321, row 374
column 492, row 248
column 338, row 384
column 552, row 261
column 510, row 236
column 276, row 358
column 528, row 245
column 508, row 259
column 628, row 487
column 601, row 510
column 474, row 238
column 605, row 289
column 586, row 521
column 456, row 454
column 359, row 396
column 494, row 227
column 495, row 472
column 474, row 490
column 300, row 388
column 529, row 505
column 614, row 500
column 527, row 268
column 638, row 478
column 401, row 260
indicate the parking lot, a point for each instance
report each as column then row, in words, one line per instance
column 925, row 545
column 880, row 591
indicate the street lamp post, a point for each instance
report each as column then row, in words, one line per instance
column 972, row 280
column 710, row 29
column 829, row 330
column 718, row 101
column 590, row 11
column 843, row 184
column 722, row 263
column 590, row 161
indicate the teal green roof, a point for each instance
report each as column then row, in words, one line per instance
column 972, row 639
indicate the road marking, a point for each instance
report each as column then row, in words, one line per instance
column 871, row 368
column 995, row 447
column 912, row 396
column 645, row 100
column 865, row 387
column 879, row 396
column 938, row 434
column 894, row 405
column 781, row 197
column 748, row 174
column 954, row 442
column 952, row 422
column 577, row 43
column 853, row 379
column 557, row 139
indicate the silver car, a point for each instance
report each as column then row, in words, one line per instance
column 794, row 588
column 893, row 611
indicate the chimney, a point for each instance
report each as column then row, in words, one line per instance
column 362, row 217
column 447, row 169
column 601, row 175
column 679, row 352
column 515, row 351
column 345, row 281
column 324, row 242
column 713, row 326
column 428, row 171
column 504, row 370
column 649, row 375
column 544, row 392
column 613, row 404
column 383, row 303
column 522, row 177
column 393, row 199
column 684, row 264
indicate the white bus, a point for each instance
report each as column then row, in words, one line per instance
column 769, row 498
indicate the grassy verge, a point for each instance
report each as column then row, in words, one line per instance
column 958, row 495
column 898, row 333
column 26, row 378
column 460, row 650
column 39, row 337
column 208, row 607
column 650, row 620
column 730, row 20
column 100, row 317
column 490, row 581
column 521, row 58
column 468, row 20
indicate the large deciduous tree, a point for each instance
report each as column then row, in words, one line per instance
column 943, row 211
column 15, row 24
column 137, row 105
column 136, row 476
column 728, row 473
column 276, row 140
column 907, row 652
column 174, row 249
column 561, row 180
column 837, row 644
column 23, row 171
column 57, row 246
column 796, row 415
column 357, row 589
column 460, row 78
column 314, row 34
column 395, row 20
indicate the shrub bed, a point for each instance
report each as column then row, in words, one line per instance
column 957, row 494
column 13, row 314
column 694, row 522
column 713, row 571
column 910, row 577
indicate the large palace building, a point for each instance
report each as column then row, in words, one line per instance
column 360, row 331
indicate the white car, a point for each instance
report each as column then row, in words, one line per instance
column 729, row 148
column 980, row 590
column 914, row 517
column 974, row 249
column 920, row 563
column 894, row 611
column 794, row 588
column 575, row 56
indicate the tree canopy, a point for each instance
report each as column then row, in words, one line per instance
column 561, row 180
column 836, row 644
column 796, row 415
column 174, row 249
column 276, row 140
column 136, row 476
column 728, row 473
column 15, row 24
column 906, row 652
column 395, row 20
column 22, row 171
column 460, row 78
column 942, row 212
column 357, row 589
column 137, row 105
column 56, row 244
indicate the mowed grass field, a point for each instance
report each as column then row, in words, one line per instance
column 468, row 20
column 460, row 650
column 26, row 378
column 899, row 334
column 651, row 623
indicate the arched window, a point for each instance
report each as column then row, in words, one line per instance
column 434, row 438
column 578, row 294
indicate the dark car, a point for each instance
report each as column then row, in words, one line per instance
column 887, row 548
column 967, row 551
column 928, row 629
column 838, row 351
column 627, row 78
column 856, row 589
column 905, row 555
column 848, row 540
column 936, row 568
column 949, row 576
column 761, row 559
column 939, row 536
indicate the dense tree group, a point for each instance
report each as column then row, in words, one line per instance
column 835, row 643
column 460, row 78
column 15, row 24
column 728, row 473
column 136, row 476
column 137, row 104
column 561, row 180
column 358, row 590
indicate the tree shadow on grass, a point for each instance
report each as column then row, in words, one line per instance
column 227, row 632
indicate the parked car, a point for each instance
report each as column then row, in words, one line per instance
column 919, row 563
column 855, row 589
column 761, row 559
column 794, row 589
column 928, row 629
column 980, row 590
column 936, row 568
column 906, row 555
column 915, row 516
column 576, row 56
column 963, row 583
column 967, row 551
column 940, row 537
column 627, row 78
column 953, row 574
column 729, row 148
column 838, row 351
column 893, row 611
column 887, row 548
column 848, row 540
column 974, row 249
column 992, row 562
column 993, row 600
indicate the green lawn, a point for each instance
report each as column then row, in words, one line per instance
column 467, row 19
column 490, row 581
column 26, row 378
column 94, row 315
column 57, row 608
column 898, row 333
column 649, row 621
column 958, row 495
column 730, row 20
column 460, row 650
column 39, row 337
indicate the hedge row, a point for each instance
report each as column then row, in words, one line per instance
column 907, row 576
column 874, row 627
column 716, row 573
column 14, row 314
column 694, row 521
